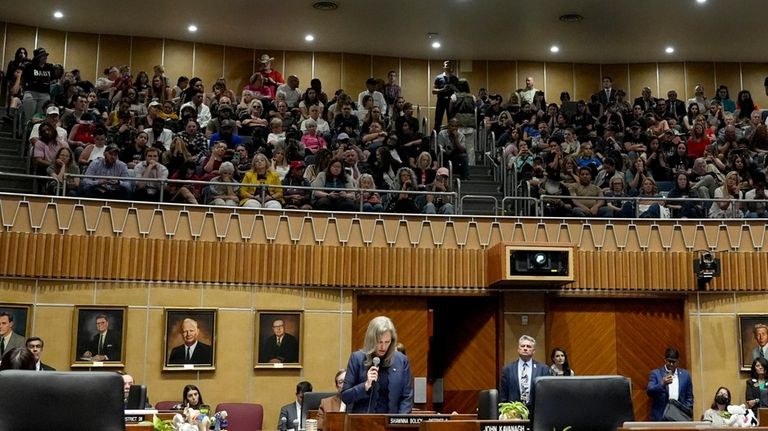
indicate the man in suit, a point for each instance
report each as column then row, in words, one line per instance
column 646, row 101
column 280, row 347
column 35, row 345
column 106, row 344
column 192, row 351
column 760, row 332
column 334, row 403
column 675, row 107
column 607, row 94
column 8, row 338
column 669, row 382
column 291, row 418
column 518, row 378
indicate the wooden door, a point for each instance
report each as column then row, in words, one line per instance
column 626, row 337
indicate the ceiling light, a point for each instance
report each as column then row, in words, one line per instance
column 669, row 50
column 436, row 44
column 701, row 1
column 58, row 14
column 554, row 48
column 192, row 28
column 309, row 38
column 325, row 5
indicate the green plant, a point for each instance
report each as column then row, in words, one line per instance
column 162, row 425
column 513, row 410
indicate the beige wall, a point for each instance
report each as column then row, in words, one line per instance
column 326, row 336
column 91, row 53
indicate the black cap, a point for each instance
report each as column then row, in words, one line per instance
column 112, row 147
column 39, row 52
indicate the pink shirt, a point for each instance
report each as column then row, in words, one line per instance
column 313, row 143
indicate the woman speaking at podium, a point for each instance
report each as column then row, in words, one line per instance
column 378, row 377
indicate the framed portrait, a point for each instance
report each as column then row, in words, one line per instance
column 19, row 318
column 99, row 336
column 753, row 337
column 278, row 339
column 190, row 339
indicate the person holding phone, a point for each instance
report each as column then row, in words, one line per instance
column 670, row 382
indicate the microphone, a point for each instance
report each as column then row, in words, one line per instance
column 283, row 420
column 376, row 361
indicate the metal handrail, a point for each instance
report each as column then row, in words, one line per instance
column 482, row 197
column 635, row 199
column 516, row 200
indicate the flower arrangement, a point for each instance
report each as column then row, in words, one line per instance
column 192, row 420
column 513, row 410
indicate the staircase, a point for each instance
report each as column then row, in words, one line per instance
column 482, row 195
column 13, row 161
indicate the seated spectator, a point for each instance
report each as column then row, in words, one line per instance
column 755, row 208
column 202, row 110
column 404, row 203
column 225, row 191
column 705, row 177
column 245, row 103
column 377, row 99
column 276, row 134
column 253, row 122
column 292, row 95
column 606, row 173
column 159, row 136
column 375, row 114
column 296, row 198
column 586, row 157
column 260, row 91
column 260, row 195
column 682, row 189
column 730, row 208
column 150, row 168
column 64, row 164
column 81, row 134
column 46, row 148
column 191, row 397
column 280, row 163
column 321, row 160
column 438, row 204
column 424, row 170
column 452, row 143
column 309, row 98
column 619, row 207
column 383, row 168
column 195, row 140
column 51, row 118
column 371, row 200
column 132, row 155
column 409, row 144
column 212, row 163
column 552, row 186
column 680, row 161
column 717, row 413
column 346, row 122
column 122, row 134
column 334, row 177
column 225, row 111
column 95, row 150
column 178, row 155
column 656, row 160
column 323, row 128
column 109, row 166
column 651, row 204
column 181, row 192
column 227, row 135
column 585, row 188
column 18, row 358
column 636, row 175
column 311, row 141
column 522, row 164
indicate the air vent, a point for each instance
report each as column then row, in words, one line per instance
column 325, row 5
column 571, row 17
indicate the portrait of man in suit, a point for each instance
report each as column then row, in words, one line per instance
column 99, row 335
column 9, row 339
column 190, row 338
column 279, row 338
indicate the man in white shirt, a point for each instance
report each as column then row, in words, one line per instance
column 203, row 111
column 378, row 98
column 323, row 128
column 761, row 337
column 290, row 89
column 526, row 94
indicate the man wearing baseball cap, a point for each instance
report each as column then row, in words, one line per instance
column 36, row 81
column 439, row 204
column 108, row 166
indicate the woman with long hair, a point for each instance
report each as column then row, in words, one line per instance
column 191, row 397
column 717, row 413
column 326, row 196
column 756, row 394
column 744, row 106
column 560, row 366
column 256, row 191
column 730, row 207
column 688, row 208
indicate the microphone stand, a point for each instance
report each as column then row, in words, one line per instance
column 373, row 393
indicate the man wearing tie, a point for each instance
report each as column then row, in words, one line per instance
column 8, row 338
column 105, row 345
column 761, row 337
column 519, row 377
column 192, row 351
column 35, row 346
column 291, row 417
column 280, row 347
column 607, row 94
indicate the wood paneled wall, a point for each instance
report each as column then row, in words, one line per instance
column 92, row 53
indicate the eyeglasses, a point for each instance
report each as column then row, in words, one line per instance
column 339, row 382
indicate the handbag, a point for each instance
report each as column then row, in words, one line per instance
column 676, row 412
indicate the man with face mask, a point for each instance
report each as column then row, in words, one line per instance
column 669, row 383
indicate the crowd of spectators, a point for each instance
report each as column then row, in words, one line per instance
column 262, row 145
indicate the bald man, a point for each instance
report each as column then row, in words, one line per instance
column 192, row 351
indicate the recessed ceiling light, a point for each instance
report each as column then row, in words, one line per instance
column 58, row 14
column 554, row 48
column 436, row 44
column 192, row 28
column 701, row 1
column 669, row 50
column 325, row 5
column 309, row 38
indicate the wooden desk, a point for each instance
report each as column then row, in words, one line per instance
column 762, row 415
column 683, row 428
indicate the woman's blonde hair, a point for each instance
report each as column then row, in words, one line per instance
column 376, row 329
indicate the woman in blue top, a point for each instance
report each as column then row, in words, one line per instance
column 378, row 378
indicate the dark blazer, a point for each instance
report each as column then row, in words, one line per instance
column 112, row 345
column 286, row 352
column 647, row 105
column 603, row 98
column 659, row 392
column 753, row 393
column 288, row 412
column 400, row 384
column 509, row 387
column 676, row 109
column 46, row 367
column 203, row 355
